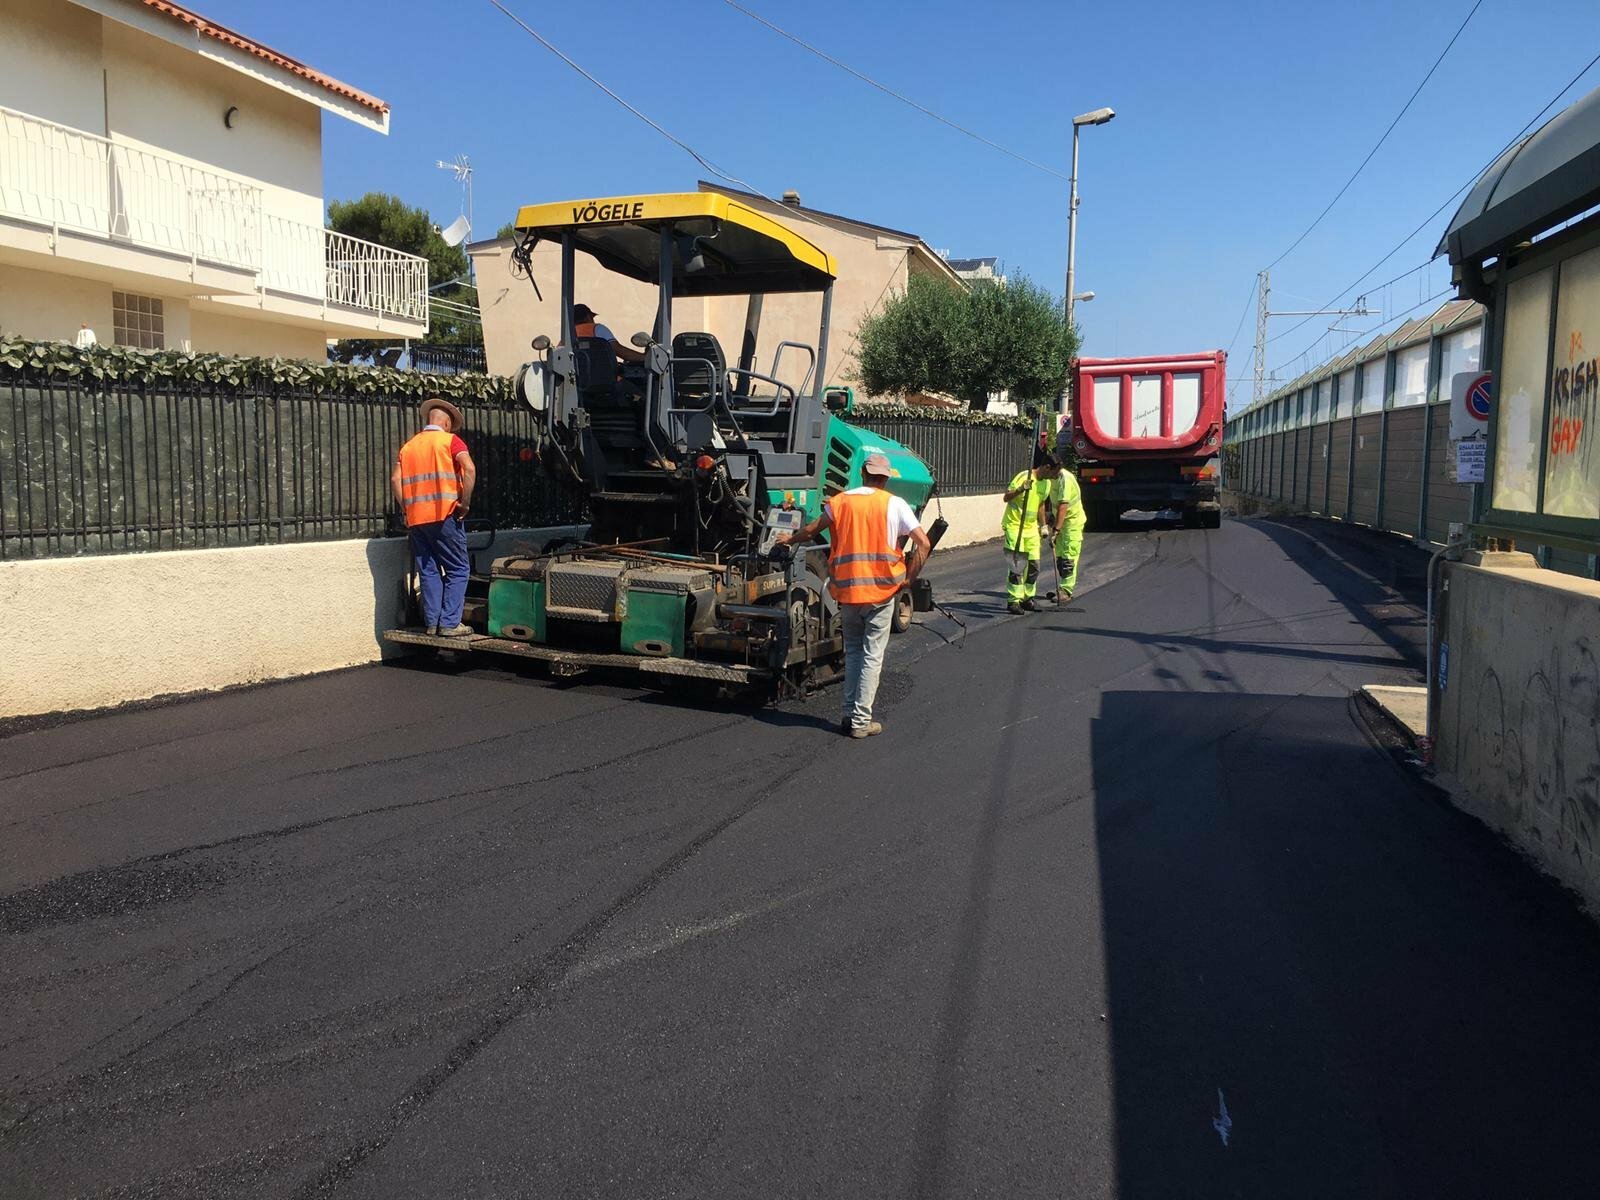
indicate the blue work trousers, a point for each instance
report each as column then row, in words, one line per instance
column 443, row 564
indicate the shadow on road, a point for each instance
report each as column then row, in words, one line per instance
column 1305, row 997
column 1372, row 574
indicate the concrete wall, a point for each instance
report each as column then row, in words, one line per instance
column 219, row 333
column 170, row 100
column 1519, row 718
column 972, row 519
column 191, row 620
column 50, row 63
column 37, row 304
column 49, row 306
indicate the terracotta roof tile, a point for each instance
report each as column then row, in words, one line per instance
column 237, row 40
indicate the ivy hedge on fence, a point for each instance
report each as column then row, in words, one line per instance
column 26, row 361
column 870, row 410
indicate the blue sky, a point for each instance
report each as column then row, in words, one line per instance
column 1235, row 125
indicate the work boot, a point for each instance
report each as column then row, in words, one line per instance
column 1014, row 608
column 1048, row 597
column 1063, row 599
column 867, row 730
column 432, row 631
column 458, row 632
column 1029, row 606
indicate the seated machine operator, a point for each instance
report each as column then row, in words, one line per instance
column 585, row 326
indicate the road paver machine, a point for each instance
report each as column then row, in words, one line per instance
column 691, row 463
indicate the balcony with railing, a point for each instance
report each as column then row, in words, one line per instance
column 60, row 178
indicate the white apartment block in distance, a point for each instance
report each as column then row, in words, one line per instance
column 161, row 182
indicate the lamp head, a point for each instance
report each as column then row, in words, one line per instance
column 1098, row 117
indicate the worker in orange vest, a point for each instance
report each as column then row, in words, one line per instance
column 432, row 482
column 866, row 570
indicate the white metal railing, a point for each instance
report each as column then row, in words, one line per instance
column 67, row 178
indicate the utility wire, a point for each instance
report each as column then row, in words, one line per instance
column 1426, row 221
column 671, row 137
column 1237, row 329
column 1397, row 316
column 1376, row 287
column 889, row 91
column 1404, row 109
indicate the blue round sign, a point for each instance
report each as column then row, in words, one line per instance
column 1478, row 397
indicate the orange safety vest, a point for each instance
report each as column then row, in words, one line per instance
column 862, row 567
column 428, row 479
column 583, row 329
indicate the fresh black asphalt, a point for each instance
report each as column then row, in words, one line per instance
column 1124, row 902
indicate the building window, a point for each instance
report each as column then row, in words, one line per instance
column 1461, row 354
column 1410, row 376
column 1371, row 386
column 1572, row 464
column 139, row 321
column 1520, row 420
column 1344, row 396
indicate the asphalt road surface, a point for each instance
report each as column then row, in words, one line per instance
column 1124, row 902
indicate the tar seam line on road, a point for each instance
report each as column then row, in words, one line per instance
column 931, row 1136
column 321, row 747
column 546, row 974
column 376, row 810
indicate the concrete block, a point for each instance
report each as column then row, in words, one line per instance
column 144, row 625
column 1519, row 715
column 1407, row 707
column 972, row 518
column 1503, row 560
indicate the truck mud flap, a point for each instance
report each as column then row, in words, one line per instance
column 569, row 662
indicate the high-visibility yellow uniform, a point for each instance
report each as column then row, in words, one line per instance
column 862, row 566
column 1019, row 529
column 1067, row 512
column 428, row 480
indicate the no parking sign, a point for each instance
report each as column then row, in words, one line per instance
column 1471, row 400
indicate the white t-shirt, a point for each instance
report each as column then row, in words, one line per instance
column 901, row 519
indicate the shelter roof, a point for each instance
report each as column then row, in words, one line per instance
column 1547, row 177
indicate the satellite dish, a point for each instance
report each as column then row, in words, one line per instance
column 457, row 232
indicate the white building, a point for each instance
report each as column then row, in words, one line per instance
column 977, row 270
column 161, row 181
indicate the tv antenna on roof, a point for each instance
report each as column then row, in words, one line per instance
column 461, row 168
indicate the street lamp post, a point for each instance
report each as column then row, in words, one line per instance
column 1098, row 117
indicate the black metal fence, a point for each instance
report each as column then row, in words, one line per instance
column 106, row 470
column 98, row 471
column 448, row 360
column 967, row 460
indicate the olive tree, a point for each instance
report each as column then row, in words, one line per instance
column 969, row 342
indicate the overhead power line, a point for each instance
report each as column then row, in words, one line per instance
column 671, row 137
column 1476, row 175
column 1249, row 299
column 1378, row 145
column 889, row 91
column 1433, row 299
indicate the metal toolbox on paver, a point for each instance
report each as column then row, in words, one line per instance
column 584, row 590
column 661, row 604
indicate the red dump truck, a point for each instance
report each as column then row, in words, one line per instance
column 1148, row 433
